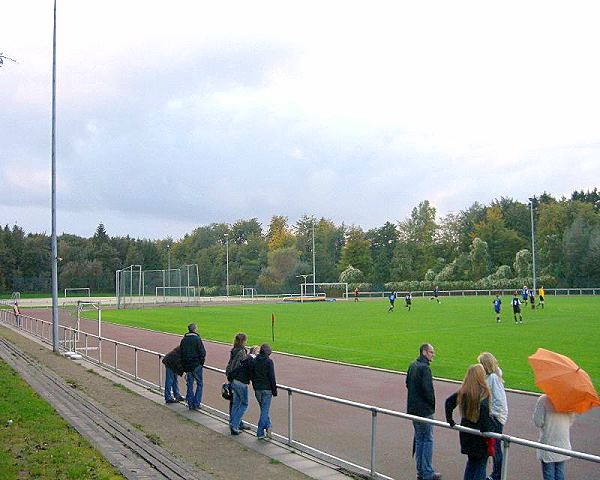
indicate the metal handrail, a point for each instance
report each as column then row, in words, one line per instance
column 70, row 335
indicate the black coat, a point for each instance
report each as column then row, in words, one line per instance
column 174, row 361
column 263, row 374
column 193, row 353
column 472, row 445
column 419, row 382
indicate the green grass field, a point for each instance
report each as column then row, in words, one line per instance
column 364, row 333
column 35, row 442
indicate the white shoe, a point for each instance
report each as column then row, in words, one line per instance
column 268, row 433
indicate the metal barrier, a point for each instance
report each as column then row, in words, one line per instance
column 68, row 341
column 484, row 292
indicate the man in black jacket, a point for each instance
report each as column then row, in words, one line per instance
column 421, row 402
column 193, row 355
column 173, row 369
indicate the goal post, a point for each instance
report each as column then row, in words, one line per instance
column 324, row 287
column 84, row 290
column 248, row 292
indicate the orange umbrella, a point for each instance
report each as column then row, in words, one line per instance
column 568, row 386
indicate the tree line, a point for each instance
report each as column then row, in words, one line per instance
column 482, row 246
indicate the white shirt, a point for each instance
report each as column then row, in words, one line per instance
column 554, row 429
column 499, row 406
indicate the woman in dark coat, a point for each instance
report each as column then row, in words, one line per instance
column 473, row 398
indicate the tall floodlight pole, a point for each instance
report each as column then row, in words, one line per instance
column 53, row 240
column 227, row 261
column 531, row 205
column 169, row 264
column 313, row 252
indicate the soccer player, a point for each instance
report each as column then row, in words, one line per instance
column 532, row 298
column 356, row 294
column 497, row 305
column 408, row 301
column 541, row 293
column 392, row 299
column 436, row 294
column 516, row 305
column 524, row 294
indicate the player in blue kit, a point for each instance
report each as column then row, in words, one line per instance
column 497, row 306
column 524, row 294
column 516, row 305
column 408, row 301
column 392, row 299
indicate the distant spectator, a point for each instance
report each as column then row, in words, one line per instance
column 174, row 368
column 17, row 313
column 473, row 399
column 193, row 356
column 499, row 407
column 265, row 388
column 554, row 430
column 421, row 402
column 238, row 374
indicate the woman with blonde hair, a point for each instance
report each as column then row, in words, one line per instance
column 499, row 407
column 473, row 399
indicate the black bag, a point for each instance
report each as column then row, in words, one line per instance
column 226, row 392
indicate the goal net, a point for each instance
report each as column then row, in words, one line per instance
column 78, row 292
column 248, row 292
column 331, row 290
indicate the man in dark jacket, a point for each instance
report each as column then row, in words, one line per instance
column 174, row 368
column 421, row 402
column 193, row 355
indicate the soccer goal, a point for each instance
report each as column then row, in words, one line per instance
column 329, row 289
column 248, row 292
column 81, row 292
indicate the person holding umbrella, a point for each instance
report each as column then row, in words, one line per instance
column 554, row 430
column 567, row 389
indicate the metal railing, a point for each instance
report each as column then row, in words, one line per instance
column 79, row 341
column 483, row 292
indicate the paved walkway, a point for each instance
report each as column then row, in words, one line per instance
column 345, row 432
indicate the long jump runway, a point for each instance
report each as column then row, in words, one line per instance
column 344, row 431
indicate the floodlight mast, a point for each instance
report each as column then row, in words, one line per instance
column 532, row 200
column 227, row 262
column 313, row 255
column 54, row 259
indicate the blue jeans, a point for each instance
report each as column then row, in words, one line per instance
column 497, row 470
column 240, row 404
column 475, row 469
column 553, row 470
column 194, row 398
column 424, row 448
column 263, row 397
column 171, row 384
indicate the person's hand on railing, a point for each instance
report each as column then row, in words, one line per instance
column 451, row 422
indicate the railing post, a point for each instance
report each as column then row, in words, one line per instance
column 160, row 386
column 86, row 346
column 99, row 350
column 135, row 362
column 505, row 445
column 290, row 436
column 116, row 346
column 373, row 440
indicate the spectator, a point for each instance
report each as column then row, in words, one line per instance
column 265, row 388
column 473, row 398
column 238, row 374
column 421, row 402
column 174, row 368
column 193, row 355
column 17, row 313
column 499, row 407
column 554, row 430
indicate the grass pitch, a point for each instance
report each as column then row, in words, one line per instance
column 364, row 333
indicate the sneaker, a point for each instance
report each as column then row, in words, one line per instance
column 234, row 432
column 171, row 400
column 180, row 399
column 261, row 437
column 269, row 433
column 243, row 426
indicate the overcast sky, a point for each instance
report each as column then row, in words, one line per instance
column 176, row 114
